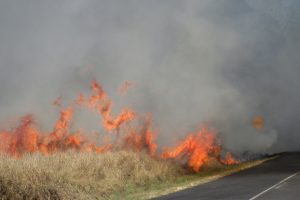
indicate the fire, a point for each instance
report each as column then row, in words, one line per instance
column 197, row 148
column 100, row 103
column 142, row 139
column 128, row 133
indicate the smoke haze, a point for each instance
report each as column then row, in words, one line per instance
column 221, row 62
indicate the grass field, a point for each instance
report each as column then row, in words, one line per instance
column 112, row 175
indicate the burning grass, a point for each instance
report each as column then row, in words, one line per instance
column 128, row 130
column 80, row 175
column 64, row 164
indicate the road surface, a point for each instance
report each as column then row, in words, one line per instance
column 277, row 179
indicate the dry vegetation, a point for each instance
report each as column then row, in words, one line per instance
column 111, row 175
column 80, row 175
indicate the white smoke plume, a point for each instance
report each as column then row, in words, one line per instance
column 221, row 62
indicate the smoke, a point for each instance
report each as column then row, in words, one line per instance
column 192, row 62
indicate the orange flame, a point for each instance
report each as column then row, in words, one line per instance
column 99, row 102
column 194, row 150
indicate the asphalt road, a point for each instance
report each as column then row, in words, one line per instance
column 275, row 179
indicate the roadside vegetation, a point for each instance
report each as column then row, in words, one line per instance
column 111, row 175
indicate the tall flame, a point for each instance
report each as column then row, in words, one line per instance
column 195, row 149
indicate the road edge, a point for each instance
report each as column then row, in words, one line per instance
column 203, row 180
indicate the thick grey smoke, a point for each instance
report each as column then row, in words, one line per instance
column 221, row 62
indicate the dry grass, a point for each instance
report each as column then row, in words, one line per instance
column 112, row 175
column 80, row 175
